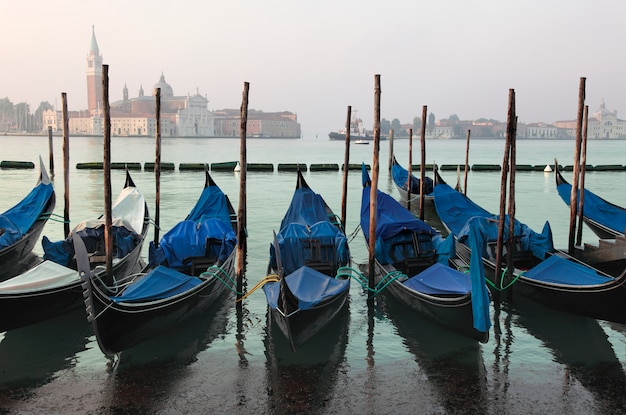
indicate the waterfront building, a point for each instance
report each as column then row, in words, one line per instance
column 181, row 116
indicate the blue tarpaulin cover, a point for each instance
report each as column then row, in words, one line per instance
column 596, row 208
column 440, row 279
column 306, row 221
column 559, row 270
column 209, row 219
column 15, row 222
column 389, row 210
column 161, row 282
column 456, row 210
column 308, row 285
column 400, row 174
column 392, row 219
column 62, row 252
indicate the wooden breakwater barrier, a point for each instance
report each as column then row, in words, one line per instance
column 8, row 164
column 192, row 166
column 260, row 167
column 292, row 167
column 313, row 167
column 324, row 167
column 98, row 165
column 164, row 166
column 224, row 166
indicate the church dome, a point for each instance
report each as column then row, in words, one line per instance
column 166, row 89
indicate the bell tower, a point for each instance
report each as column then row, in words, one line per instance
column 94, row 76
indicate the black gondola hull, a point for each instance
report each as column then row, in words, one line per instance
column 120, row 326
column 454, row 313
column 604, row 301
column 302, row 325
column 13, row 258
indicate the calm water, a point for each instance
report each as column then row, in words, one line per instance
column 384, row 360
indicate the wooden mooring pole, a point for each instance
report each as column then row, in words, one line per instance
column 423, row 153
column 374, row 187
column 241, row 211
column 583, row 170
column 157, row 166
column 503, row 182
column 106, row 166
column 390, row 149
column 50, row 151
column 346, row 163
column 573, row 195
column 409, row 188
column 467, row 145
column 66, row 166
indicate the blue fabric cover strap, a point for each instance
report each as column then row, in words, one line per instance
column 162, row 282
column 558, row 270
column 400, row 174
column 597, row 209
column 18, row 220
column 310, row 287
column 440, row 279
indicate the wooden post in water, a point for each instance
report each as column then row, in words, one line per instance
column 50, row 151
column 505, row 169
column 106, row 166
column 469, row 132
column 241, row 211
column 390, row 149
column 573, row 195
column 374, row 187
column 346, row 163
column 66, row 166
column 583, row 170
column 157, row 167
column 423, row 152
column 511, row 238
column 409, row 188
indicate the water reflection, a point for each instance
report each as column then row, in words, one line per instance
column 582, row 346
column 32, row 355
column 303, row 381
column 142, row 379
column 453, row 363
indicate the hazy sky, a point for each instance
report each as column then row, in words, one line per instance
column 316, row 57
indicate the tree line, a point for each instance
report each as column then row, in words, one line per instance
column 19, row 118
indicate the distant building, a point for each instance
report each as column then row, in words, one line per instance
column 180, row 116
column 605, row 124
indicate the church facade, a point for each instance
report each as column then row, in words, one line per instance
column 180, row 116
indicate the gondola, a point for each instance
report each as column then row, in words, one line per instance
column 132, row 310
column 306, row 255
column 400, row 175
column 542, row 273
column 604, row 218
column 53, row 286
column 419, row 266
column 21, row 225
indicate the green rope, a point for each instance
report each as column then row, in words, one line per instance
column 501, row 288
column 364, row 282
column 214, row 270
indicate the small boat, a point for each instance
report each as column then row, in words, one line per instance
column 418, row 266
column 361, row 142
column 400, row 178
column 542, row 273
column 305, row 257
column 357, row 131
column 21, row 225
column 53, row 287
column 604, row 218
column 168, row 293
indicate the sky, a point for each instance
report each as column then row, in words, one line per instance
column 317, row 57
